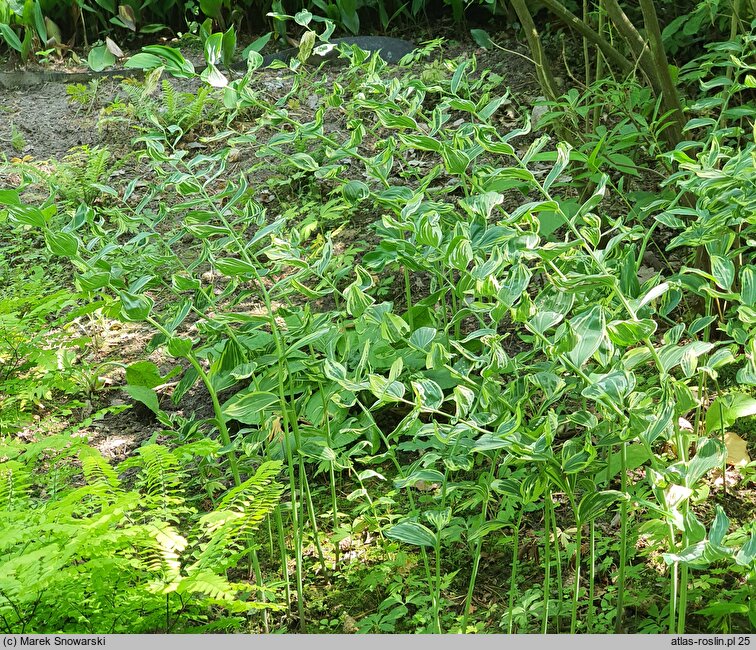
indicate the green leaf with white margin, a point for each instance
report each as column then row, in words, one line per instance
column 411, row 532
column 459, row 253
column 630, row 332
column 428, row 394
column 594, row 504
column 748, row 285
column 248, row 407
column 421, row 338
column 747, row 553
column 589, row 328
column 425, row 475
column 563, row 159
column 710, row 453
column 214, row 49
column 213, row 76
column 355, row 191
column 63, row 244
column 723, row 271
column 233, row 267
column 386, row 390
column 653, row 294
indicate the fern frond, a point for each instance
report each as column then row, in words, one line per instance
column 192, row 114
column 208, row 583
column 170, row 101
column 241, row 510
column 162, row 479
column 14, row 485
column 97, row 470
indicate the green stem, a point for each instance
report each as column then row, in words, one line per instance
column 620, row 611
column 578, row 559
column 591, row 574
column 547, row 563
column 515, row 563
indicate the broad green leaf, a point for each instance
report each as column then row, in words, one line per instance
column 234, row 267
column 100, row 57
column 481, row 37
column 229, row 46
column 576, row 456
column 384, row 389
column 143, row 373
column 725, row 409
column 428, row 394
column 179, row 346
column 135, row 307
column 691, row 555
column 143, row 61
column 355, row 191
column 422, row 337
column 145, row 395
column 747, row 553
column 211, row 8
column 747, row 284
column 214, row 49
column 10, row 36
column 421, row 142
column 411, row 532
column 304, row 161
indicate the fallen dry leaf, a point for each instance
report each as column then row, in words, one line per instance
column 737, row 450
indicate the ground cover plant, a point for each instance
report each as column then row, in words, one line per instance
column 405, row 353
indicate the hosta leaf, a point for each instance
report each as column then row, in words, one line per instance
column 422, row 337
column 355, row 191
column 385, row 389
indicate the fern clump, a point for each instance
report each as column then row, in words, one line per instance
column 97, row 556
